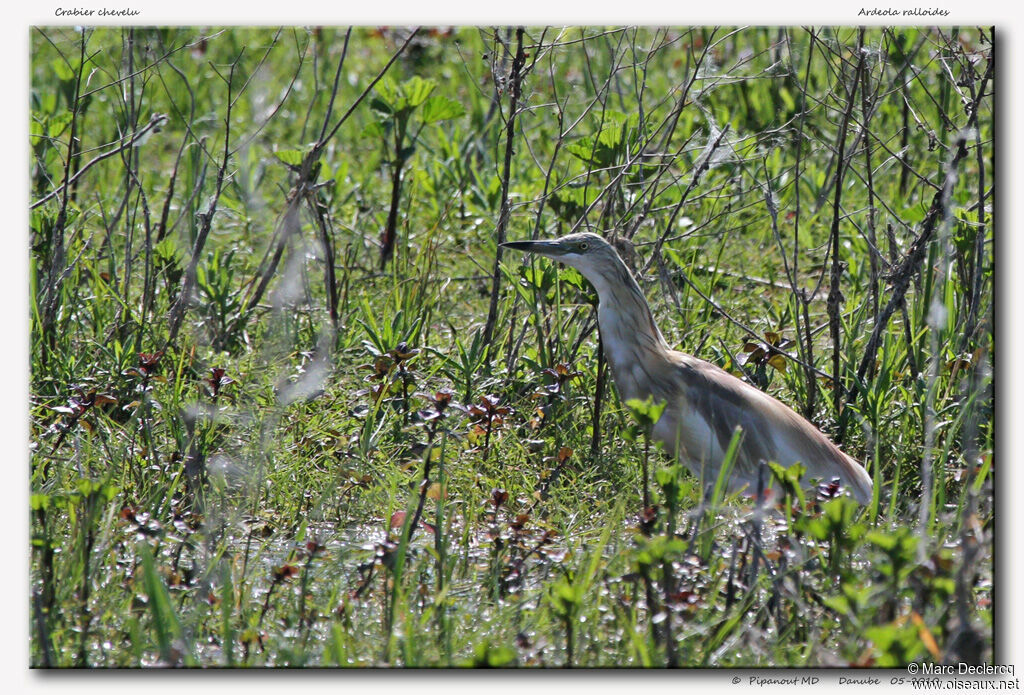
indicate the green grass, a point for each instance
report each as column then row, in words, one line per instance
column 325, row 455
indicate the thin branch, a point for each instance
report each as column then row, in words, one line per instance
column 515, row 80
column 915, row 256
column 155, row 122
column 177, row 311
column 835, row 296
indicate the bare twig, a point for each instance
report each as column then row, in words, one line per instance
column 155, row 122
column 703, row 165
column 917, row 252
column 289, row 223
column 51, row 291
column 835, row 297
column 177, row 312
column 515, row 91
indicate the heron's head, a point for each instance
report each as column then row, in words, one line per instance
column 588, row 253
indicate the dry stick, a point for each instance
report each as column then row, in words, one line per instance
column 894, row 87
column 245, row 140
column 835, row 295
column 42, row 634
column 929, row 415
column 915, row 256
column 334, row 89
column 906, row 171
column 773, row 215
column 148, row 291
column 425, row 485
column 476, row 146
column 186, row 205
column 76, row 156
column 647, row 194
column 53, row 278
column 515, row 80
column 512, row 348
column 602, row 377
column 639, row 70
column 804, row 343
column 908, row 57
column 829, row 185
column 907, row 328
column 155, row 121
column 904, row 148
column 703, row 166
column 677, row 110
column 128, row 95
column 130, row 160
column 601, row 97
column 387, row 248
column 319, row 210
column 800, row 297
column 188, row 282
column 289, row 221
column 642, row 119
column 149, row 66
column 977, row 267
column 324, row 140
column 165, row 212
column 672, row 120
column 86, row 582
column 866, row 110
column 289, row 225
column 750, row 331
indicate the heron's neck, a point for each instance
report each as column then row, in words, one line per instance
column 630, row 336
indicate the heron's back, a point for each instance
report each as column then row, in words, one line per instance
column 710, row 404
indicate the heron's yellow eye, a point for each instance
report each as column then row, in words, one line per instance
column 582, row 246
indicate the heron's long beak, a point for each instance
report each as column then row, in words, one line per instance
column 551, row 249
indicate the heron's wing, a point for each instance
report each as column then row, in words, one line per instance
column 713, row 403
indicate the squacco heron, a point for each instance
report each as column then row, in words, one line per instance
column 704, row 404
